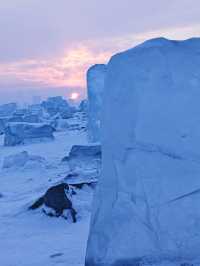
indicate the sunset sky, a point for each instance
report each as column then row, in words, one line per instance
column 46, row 46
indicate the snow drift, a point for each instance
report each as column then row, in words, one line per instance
column 147, row 202
column 23, row 159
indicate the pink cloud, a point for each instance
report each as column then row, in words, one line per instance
column 69, row 68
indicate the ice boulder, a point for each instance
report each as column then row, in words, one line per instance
column 21, row 112
column 83, row 106
column 85, row 161
column 32, row 118
column 3, row 122
column 95, row 86
column 58, row 105
column 36, row 109
column 2, row 126
column 60, row 124
column 7, row 109
column 22, row 133
column 16, row 118
column 147, row 203
column 21, row 160
column 78, row 122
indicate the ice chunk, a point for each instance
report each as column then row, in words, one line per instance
column 83, row 107
column 147, row 201
column 16, row 118
column 95, row 85
column 57, row 105
column 3, row 122
column 78, row 122
column 7, row 109
column 21, row 112
column 85, row 161
column 32, row 118
column 60, row 124
column 22, row 133
column 36, row 109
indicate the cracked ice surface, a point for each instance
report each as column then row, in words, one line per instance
column 147, row 202
column 95, row 86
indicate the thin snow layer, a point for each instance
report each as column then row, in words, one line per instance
column 147, row 203
column 95, row 86
column 24, row 160
column 30, row 238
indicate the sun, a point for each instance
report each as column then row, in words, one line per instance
column 74, row 96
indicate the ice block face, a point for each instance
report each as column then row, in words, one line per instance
column 95, row 86
column 147, row 204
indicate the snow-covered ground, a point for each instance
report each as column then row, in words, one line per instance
column 30, row 238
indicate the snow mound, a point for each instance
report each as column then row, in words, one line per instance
column 23, row 160
column 147, row 201
column 22, row 133
column 95, row 86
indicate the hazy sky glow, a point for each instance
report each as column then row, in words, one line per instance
column 50, row 44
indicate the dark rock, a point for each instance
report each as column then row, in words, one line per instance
column 56, row 199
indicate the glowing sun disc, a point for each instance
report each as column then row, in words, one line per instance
column 74, row 96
